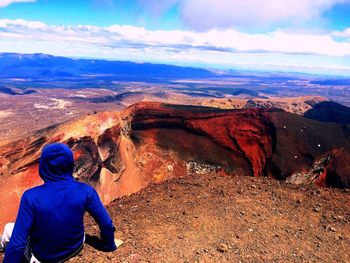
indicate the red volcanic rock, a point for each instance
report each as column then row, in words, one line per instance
column 245, row 135
column 301, row 142
column 336, row 170
column 121, row 153
column 329, row 170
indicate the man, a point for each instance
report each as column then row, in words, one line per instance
column 49, row 225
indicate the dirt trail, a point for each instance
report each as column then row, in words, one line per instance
column 228, row 219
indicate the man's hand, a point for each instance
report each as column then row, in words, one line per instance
column 118, row 242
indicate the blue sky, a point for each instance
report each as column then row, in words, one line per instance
column 95, row 12
column 289, row 35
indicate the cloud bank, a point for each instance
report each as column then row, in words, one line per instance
column 204, row 14
column 226, row 47
column 4, row 3
column 208, row 14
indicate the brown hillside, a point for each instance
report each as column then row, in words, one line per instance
column 228, row 219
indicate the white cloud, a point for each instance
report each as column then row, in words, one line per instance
column 4, row 3
column 209, row 14
column 214, row 47
column 345, row 33
column 21, row 24
column 205, row 14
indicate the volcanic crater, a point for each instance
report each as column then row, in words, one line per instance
column 121, row 153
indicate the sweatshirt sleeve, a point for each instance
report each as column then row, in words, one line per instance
column 15, row 250
column 96, row 209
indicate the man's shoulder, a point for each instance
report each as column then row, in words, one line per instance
column 40, row 188
column 30, row 194
column 83, row 185
column 33, row 190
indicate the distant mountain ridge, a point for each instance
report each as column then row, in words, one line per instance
column 14, row 65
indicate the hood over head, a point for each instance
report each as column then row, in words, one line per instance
column 56, row 163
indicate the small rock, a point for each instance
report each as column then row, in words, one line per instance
column 315, row 192
column 339, row 237
column 336, row 217
column 319, row 237
column 331, row 228
column 222, row 248
column 110, row 256
column 316, row 209
column 253, row 186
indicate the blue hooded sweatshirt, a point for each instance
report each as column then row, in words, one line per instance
column 51, row 215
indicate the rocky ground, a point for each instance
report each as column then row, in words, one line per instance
column 211, row 218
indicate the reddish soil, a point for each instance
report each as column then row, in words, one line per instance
column 214, row 218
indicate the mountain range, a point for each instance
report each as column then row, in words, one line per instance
column 13, row 65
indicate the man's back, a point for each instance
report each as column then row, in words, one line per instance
column 58, row 211
column 51, row 215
